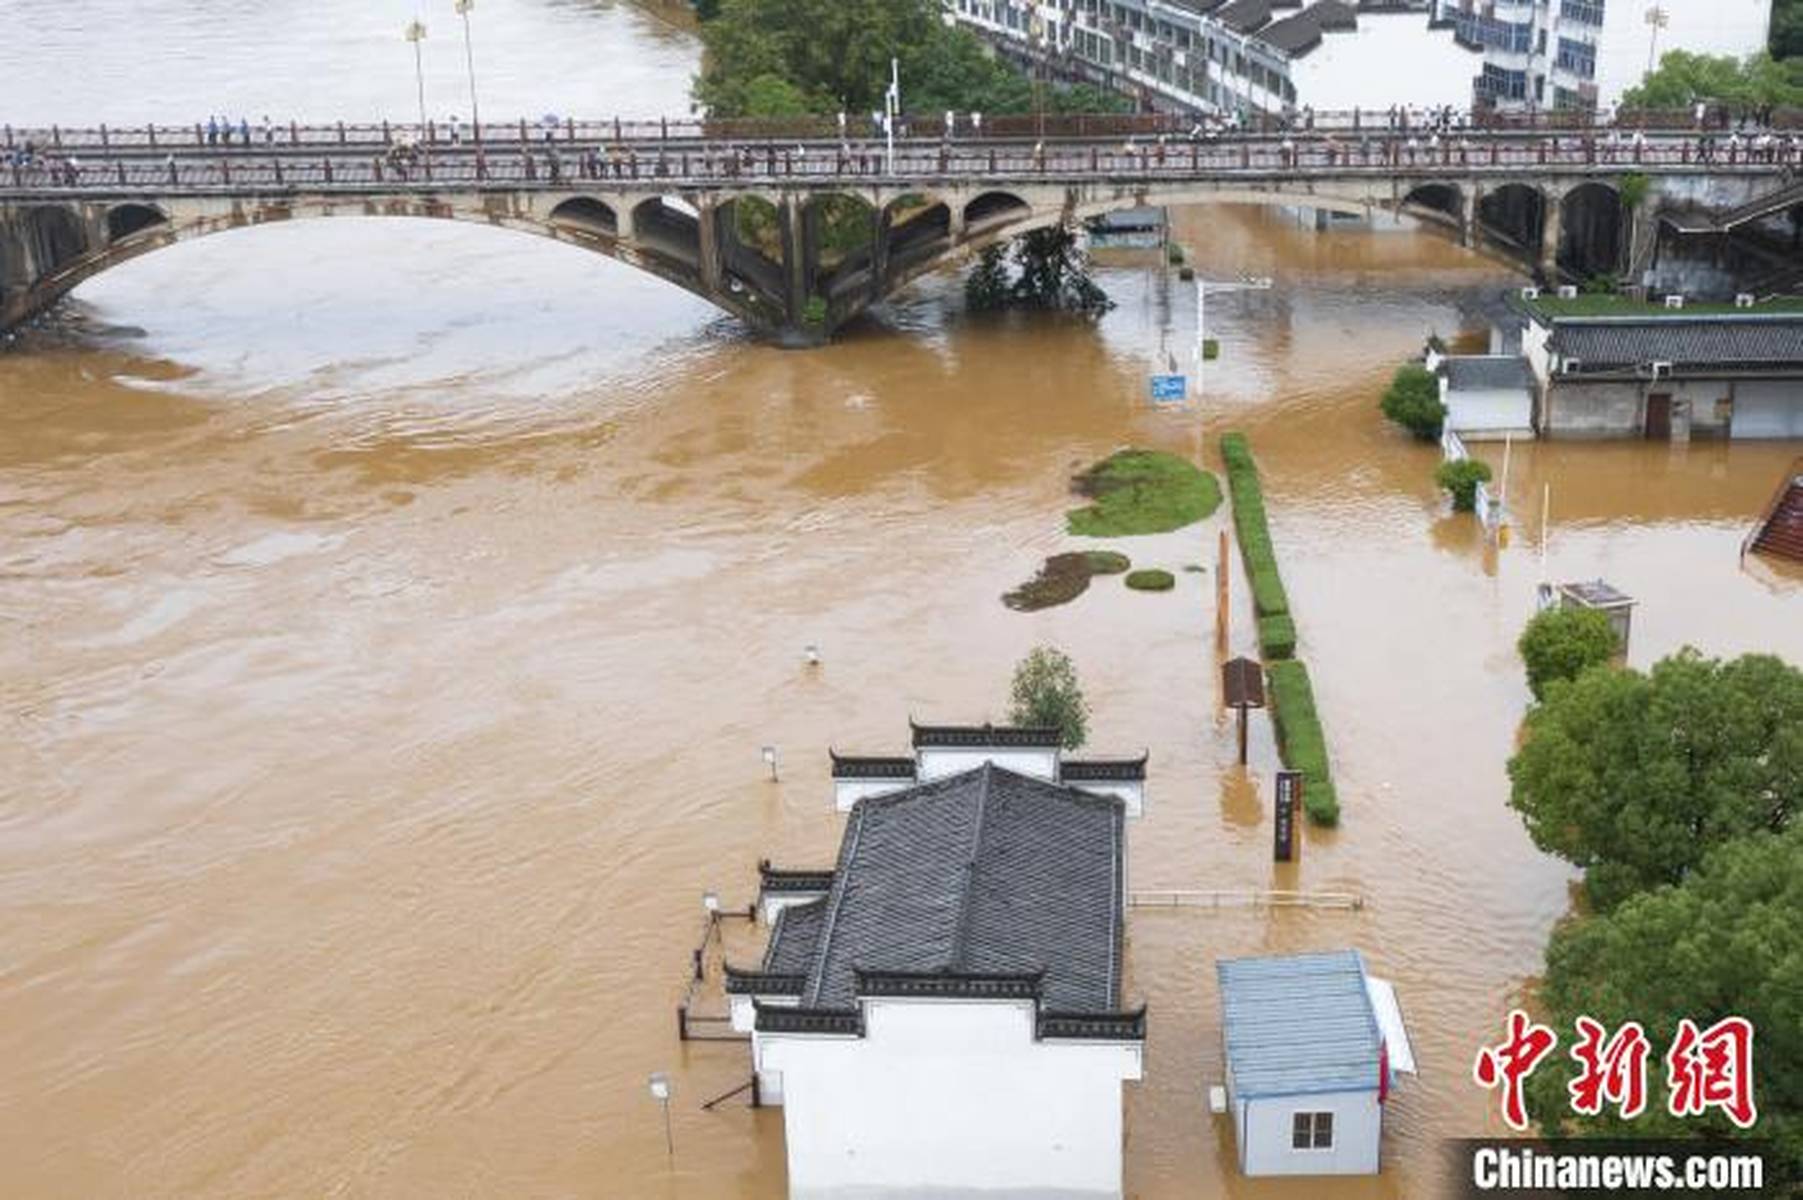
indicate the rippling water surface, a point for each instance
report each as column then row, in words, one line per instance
column 393, row 613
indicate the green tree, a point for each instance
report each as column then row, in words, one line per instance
column 1634, row 777
column 773, row 96
column 1046, row 694
column 1684, row 78
column 1787, row 29
column 1460, row 476
column 1413, row 401
column 987, row 287
column 1054, row 273
column 1561, row 643
column 1726, row 942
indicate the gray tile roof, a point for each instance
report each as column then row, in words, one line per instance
column 1299, row 34
column 986, row 735
column 1602, row 343
column 983, row 873
column 795, row 938
column 1244, row 16
column 1488, row 372
column 1298, row 1024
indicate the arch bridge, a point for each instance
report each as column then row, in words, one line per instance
column 796, row 239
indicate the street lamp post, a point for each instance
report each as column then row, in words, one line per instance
column 1657, row 18
column 469, row 58
column 660, row 1092
column 416, row 33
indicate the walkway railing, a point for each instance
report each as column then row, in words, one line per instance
column 1056, row 126
column 1489, row 508
column 1244, row 898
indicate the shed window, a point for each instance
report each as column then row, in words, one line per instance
column 1312, row 1131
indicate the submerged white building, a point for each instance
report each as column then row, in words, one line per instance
column 940, row 1014
column 1313, row 1044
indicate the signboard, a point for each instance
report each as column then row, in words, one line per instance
column 1167, row 388
column 1289, row 799
column 1243, row 683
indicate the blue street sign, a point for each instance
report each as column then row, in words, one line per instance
column 1166, row 388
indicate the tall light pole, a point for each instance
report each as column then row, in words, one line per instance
column 416, row 33
column 1658, row 19
column 469, row 58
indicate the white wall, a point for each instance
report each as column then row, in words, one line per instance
column 936, row 762
column 1767, row 408
column 847, row 792
column 1392, row 58
column 775, row 902
column 949, row 1098
column 1131, row 792
column 1492, row 412
column 1265, row 1126
column 1734, row 27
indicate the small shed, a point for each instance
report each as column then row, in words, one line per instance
column 1606, row 598
column 1487, row 396
column 1312, row 1045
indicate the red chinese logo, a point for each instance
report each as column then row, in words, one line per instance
column 1712, row 1069
column 1612, row 1070
column 1510, row 1063
column 1704, row 1069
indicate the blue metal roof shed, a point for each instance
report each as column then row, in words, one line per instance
column 1299, row 1024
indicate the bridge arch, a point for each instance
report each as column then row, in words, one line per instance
column 123, row 220
column 994, row 207
column 1590, row 229
column 585, row 214
column 1514, row 215
column 1437, row 200
column 670, row 227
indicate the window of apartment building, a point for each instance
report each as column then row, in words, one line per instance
column 1577, row 57
column 1311, row 1131
column 1584, row 12
column 1500, row 84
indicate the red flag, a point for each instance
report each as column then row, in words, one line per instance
column 1383, row 1070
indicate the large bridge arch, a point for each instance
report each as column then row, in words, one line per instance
column 1590, row 230
column 48, row 250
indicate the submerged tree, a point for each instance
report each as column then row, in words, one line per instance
column 987, row 287
column 1054, row 274
column 1562, row 643
column 1046, row 694
column 1635, row 777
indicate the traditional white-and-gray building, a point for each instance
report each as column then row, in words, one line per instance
column 941, row 1012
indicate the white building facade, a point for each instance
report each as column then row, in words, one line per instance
column 943, row 750
column 939, row 1015
column 1238, row 57
column 1572, row 54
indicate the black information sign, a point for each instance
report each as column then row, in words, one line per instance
column 1289, row 799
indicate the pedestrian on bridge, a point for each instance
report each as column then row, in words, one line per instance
column 244, row 129
column 212, row 131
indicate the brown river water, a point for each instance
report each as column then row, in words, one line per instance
column 391, row 615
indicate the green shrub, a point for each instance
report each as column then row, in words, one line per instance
column 1300, row 740
column 1268, row 596
column 1413, row 401
column 1277, row 636
column 1151, row 580
column 1173, row 254
column 1211, row 349
column 814, row 311
column 1460, row 476
column 1562, row 643
column 1142, row 491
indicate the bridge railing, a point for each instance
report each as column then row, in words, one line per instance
column 247, row 134
column 711, row 164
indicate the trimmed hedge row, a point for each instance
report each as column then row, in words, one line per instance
column 1277, row 636
column 1300, row 739
column 1268, row 596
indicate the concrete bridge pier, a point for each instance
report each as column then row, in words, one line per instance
column 1551, row 232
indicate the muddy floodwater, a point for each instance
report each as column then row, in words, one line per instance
column 392, row 613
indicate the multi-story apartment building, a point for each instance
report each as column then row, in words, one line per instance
column 1232, row 57
column 1586, row 53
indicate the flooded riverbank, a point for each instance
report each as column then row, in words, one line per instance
column 388, row 655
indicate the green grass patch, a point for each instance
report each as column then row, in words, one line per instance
column 1142, row 491
column 1277, row 636
column 1300, row 740
column 1064, row 577
column 1268, row 596
column 1153, row 580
